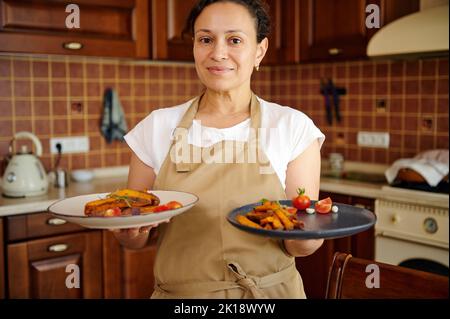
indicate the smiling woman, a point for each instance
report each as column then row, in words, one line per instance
column 226, row 53
column 200, row 255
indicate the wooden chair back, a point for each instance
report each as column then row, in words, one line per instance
column 356, row 278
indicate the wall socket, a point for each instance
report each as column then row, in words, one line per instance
column 373, row 139
column 75, row 144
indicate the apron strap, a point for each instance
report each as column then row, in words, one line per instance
column 251, row 284
column 180, row 132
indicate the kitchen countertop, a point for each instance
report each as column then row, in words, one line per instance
column 15, row 206
column 107, row 180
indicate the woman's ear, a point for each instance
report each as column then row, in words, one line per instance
column 261, row 50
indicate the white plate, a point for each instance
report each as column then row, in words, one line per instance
column 72, row 210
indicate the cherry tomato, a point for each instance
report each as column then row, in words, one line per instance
column 160, row 208
column 112, row 212
column 302, row 201
column 174, row 205
column 324, row 206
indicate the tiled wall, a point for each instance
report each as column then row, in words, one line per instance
column 62, row 96
column 43, row 95
column 414, row 92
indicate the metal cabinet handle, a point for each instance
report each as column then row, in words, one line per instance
column 360, row 206
column 72, row 45
column 58, row 248
column 334, row 51
column 56, row 221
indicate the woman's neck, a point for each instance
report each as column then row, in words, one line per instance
column 225, row 103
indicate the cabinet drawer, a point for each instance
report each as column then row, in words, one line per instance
column 38, row 268
column 37, row 225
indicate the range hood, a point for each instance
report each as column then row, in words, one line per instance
column 421, row 34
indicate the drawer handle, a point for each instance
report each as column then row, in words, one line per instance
column 334, row 51
column 360, row 206
column 72, row 45
column 56, row 221
column 58, row 248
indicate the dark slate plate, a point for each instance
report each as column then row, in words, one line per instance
column 349, row 220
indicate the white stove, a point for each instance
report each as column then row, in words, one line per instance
column 412, row 229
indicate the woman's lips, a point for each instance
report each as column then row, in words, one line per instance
column 218, row 70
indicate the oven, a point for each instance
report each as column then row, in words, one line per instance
column 413, row 234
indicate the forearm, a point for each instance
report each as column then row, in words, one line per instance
column 302, row 248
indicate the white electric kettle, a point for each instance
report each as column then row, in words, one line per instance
column 25, row 175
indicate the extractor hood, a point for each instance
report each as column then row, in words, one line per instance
column 421, row 34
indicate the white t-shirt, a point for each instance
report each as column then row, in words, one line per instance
column 286, row 133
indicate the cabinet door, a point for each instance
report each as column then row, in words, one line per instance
column 168, row 21
column 363, row 244
column 284, row 39
column 336, row 29
column 107, row 28
column 332, row 29
column 39, row 268
column 128, row 272
column 2, row 262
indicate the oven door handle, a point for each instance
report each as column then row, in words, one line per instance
column 400, row 236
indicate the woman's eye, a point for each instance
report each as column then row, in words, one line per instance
column 236, row 41
column 205, row 40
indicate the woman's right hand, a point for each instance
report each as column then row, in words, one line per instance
column 135, row 237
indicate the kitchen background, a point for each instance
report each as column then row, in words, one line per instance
column 63, row 96
column 52, row 83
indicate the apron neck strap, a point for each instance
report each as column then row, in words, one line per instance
column 188, row 118
column 255, row 113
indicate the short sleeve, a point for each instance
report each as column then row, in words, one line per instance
column 303, row 135
column 141, row 140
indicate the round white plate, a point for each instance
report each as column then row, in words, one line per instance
column 72, row 210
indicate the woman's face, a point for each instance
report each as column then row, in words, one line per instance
column 225, row 46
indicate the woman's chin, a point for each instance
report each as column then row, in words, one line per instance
column 219, row 86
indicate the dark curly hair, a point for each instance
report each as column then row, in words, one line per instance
column 257, row 8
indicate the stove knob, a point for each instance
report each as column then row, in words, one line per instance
column 395, row 219
column 430, row 225
column 11, row 177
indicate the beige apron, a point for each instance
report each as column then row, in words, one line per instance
column 200, row 254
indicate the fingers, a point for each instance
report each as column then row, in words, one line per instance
column 134, row 231
column 145, row 229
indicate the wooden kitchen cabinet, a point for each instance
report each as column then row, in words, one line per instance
column 169, row 43
column 128, row 273
column 167, row 24
column 314, row 269
column 334, row 30
column 116, row 28
column 38, row 268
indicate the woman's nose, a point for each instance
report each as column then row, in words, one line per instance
column 219, row 51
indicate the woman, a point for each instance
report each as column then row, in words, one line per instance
column 200, row 255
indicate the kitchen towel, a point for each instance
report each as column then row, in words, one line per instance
column 433, row 165
column 114, row 125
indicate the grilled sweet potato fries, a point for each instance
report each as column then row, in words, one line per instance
column 123, row 202
column 271, row 215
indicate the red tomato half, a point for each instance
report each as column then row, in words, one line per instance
column 324, row 206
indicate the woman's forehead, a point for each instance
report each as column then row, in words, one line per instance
column 224, row 17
